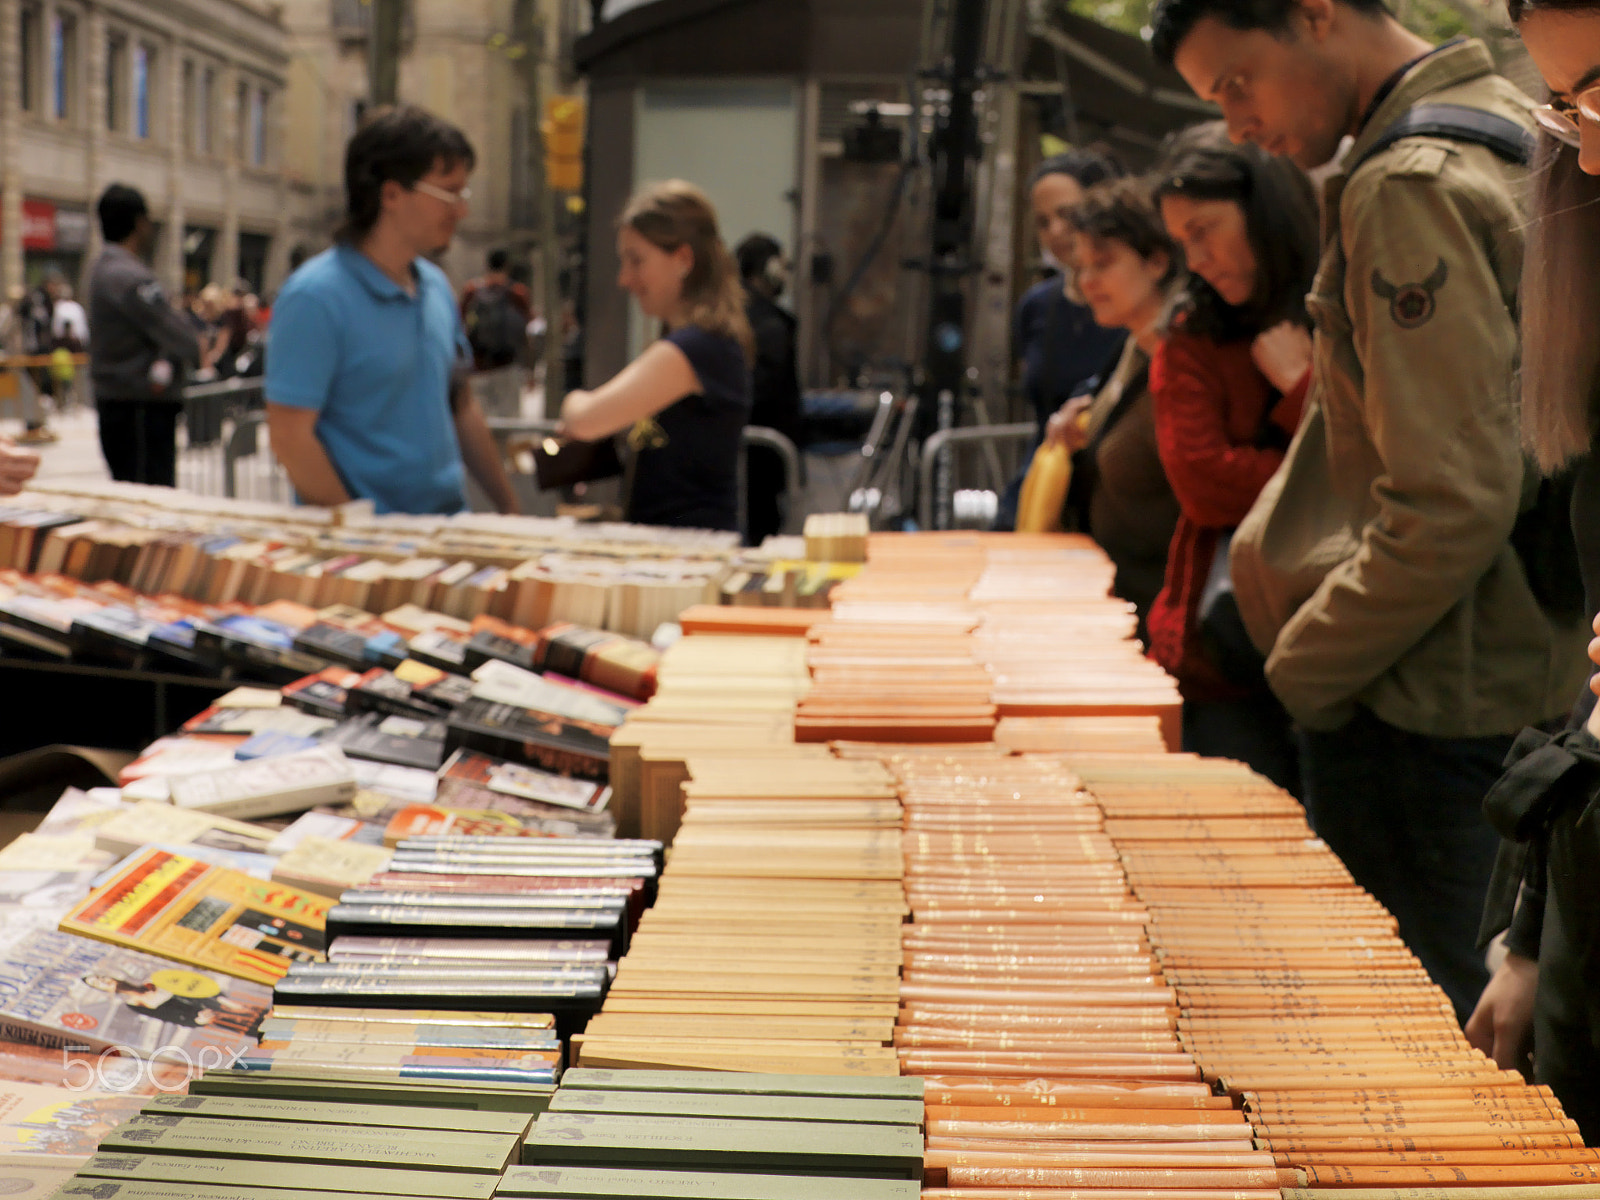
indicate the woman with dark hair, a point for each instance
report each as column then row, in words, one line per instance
column 1057, row 340
column 1229, row 383
column 1544, row 894
column 1123, row 266
column 687, row 397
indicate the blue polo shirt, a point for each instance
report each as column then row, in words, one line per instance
column 376, row 363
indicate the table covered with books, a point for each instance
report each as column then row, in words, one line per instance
column 452, row 893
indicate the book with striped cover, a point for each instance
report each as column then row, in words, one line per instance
column 210, row 917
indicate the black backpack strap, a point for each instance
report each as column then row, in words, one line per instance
column 1456, row 123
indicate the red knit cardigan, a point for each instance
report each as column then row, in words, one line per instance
column 1209, row 400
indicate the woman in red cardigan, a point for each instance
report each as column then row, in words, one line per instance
column 1229, row 381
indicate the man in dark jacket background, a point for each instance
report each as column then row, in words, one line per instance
column 775, row 383
column 141, row 346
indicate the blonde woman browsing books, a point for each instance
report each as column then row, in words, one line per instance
column 686, row 399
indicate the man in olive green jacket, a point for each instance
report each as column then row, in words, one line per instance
column 1376, row 569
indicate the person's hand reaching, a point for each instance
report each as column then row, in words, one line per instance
column 17, row 466
column 1069, row 426
column 1283, row 355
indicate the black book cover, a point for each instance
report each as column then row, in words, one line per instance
column 449, row 693
column 565, row 652
column 485, row 645
column 401, row 741
column 317, row 696
column 432, row 920
column 382, row 691
column 439, row 649
column 333, row 643
column 541, row 740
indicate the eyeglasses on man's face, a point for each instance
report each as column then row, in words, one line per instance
column 1560, row 118
column 456, row 199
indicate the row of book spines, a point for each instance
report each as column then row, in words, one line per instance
column 223, row 570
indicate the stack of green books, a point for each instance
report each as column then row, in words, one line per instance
column 246, row 1135
column 655, row 1135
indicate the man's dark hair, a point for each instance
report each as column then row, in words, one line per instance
column 1121, row 210
column 754, row 253
column 1280, row 218
column 499, row 260
column 1089, row 165
column 400, row 145
column 120, row 208
column 1172, row 21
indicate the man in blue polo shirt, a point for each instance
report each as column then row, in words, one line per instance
column 367, row 363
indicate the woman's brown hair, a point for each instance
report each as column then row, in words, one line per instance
column 1560, row 297
column 673, row 214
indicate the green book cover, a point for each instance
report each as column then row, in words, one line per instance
column 444, row 1093
column 303, row 1141
column 584, row 1183
column 242, row 1172
column 245, row 1108
column 889, row 1087
column 602, row 1139
column 741, row 1107
column 80, row 1188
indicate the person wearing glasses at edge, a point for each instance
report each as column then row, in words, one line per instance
column 686, row 399
column 1547, row 993
column 367, row 362
column 1404, row 631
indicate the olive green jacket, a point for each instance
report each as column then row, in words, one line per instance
column 1375, row 568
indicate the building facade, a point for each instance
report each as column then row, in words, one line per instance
column 182, row 99
column 462, row 60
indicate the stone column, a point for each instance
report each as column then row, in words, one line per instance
column 171, row 268
column 10, row 144
column 93, row 95
column 225, row 263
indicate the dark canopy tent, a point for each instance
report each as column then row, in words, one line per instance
column 1078, row 80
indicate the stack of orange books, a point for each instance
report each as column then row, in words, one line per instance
column 1297, row 997
column 1033, row 1004
column 1128, row 972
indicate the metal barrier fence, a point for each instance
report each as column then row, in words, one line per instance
column 224, row 449
column 932, row 515
column 505, row 429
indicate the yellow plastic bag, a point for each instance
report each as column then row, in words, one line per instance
column 1044, row 490
column 62, row 368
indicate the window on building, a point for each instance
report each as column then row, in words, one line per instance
column 204, row 139
column 190, row 99
column 64, row 66
column 117, row 83
column 29, row 59
column 241, row 123
column 144, row 90
column 258, row 127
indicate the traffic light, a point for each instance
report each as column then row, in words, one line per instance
column 563, row 143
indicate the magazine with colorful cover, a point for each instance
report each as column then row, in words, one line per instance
column 59, row 990
column 59, row 1121
column 207, row 916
